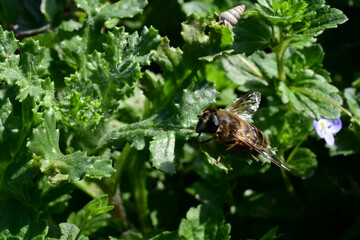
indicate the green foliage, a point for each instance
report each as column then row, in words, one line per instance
column 44, row 144
column 204, row 222
column 99, row 102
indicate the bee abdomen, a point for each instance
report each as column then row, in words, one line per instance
column 256, row 136
column 231, row 17
column 262, row 141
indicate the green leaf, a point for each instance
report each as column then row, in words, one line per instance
column 48, row 8
column 26, row 72
column 323, row 18
column 47, row 155
column 79, row 113
column 166, row 236
column 200, row 8
column 204, row 222
column 175, row 71
column 69, row 26
column 178, row 119
column 70, row 231
column 9, row 61
column 86, row 5
column 300, row 41
column 123, row 9
column 187, row 105
column 97, row 206
column 190, row 102
column 10, row 128
column 162, row 151
column 198, row 45
column 15, row 125
column 302, row 162
column 294, row 127
column 180, row 66
column 290, row 13
column 356, row 123
column 345, row 143
column 252, row 72
column 75, row 50
column 101, row 10
column 93, row 212
column 20, row 221
column 111, row 76
column 33, row 62
column 102, row 169
column 310, row 57
column 311, row 94
column 352, row 99
column 251, row 35
column 308, row 18
column 271, row 234
column 126, row 54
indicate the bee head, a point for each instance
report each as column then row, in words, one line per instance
column 208, row 122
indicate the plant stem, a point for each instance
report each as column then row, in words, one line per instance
column 297, row 147
column 280, row 51
column 138, row 175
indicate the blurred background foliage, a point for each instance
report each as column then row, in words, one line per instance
column 253, row 199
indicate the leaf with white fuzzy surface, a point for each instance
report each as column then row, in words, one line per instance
column 44, row 144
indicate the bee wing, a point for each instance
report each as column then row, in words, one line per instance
column 246, row 106
column 267, row 153
column 274, row 158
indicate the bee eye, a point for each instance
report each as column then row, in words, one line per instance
column 199, row 116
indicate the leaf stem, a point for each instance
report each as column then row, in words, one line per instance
column 138, row 176
column 250, row 66
column 27, row 120
column 288, row 185
column 325, row 100
column 297, row 147
column 81, row 229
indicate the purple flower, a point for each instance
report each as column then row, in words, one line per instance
column 327, row 128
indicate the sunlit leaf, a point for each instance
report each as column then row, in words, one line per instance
column 204, row 222
column 47, row 155
column 70, row 231
column 313, row 95
column 162, row 151
column 251, row 72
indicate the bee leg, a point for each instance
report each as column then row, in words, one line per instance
column 218, row 160
column 220, row 156
column 194, row 140
column 255, row 158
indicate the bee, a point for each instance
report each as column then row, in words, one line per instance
column 231, row 17
column 231, row 127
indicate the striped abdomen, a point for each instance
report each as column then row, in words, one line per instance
column 254, row 135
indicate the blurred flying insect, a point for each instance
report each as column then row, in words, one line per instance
column 231, row 17
column 231, row 127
